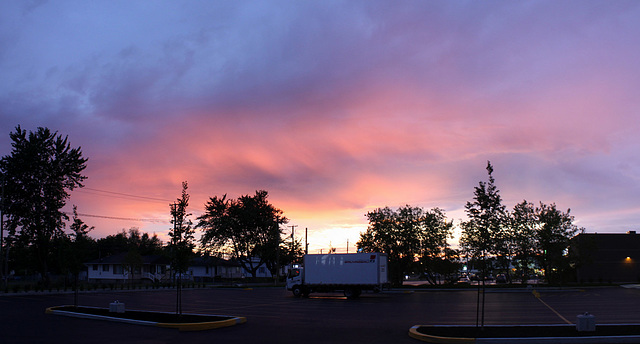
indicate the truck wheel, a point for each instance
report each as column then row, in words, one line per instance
column 351, row 293
column 297, row 291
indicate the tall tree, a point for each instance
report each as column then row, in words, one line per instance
column 436, row 256
column 407, row 235
column 384, row 235
column 182, row 233
column 555, row 231
column 523, row 230
column 249, row 226
column 182, row 240
column 39, row 173
column 483, row 232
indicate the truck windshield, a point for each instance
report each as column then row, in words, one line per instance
column 294, row 273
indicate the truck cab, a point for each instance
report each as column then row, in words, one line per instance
column 295, row 282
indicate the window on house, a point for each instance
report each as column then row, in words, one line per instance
column 118, row 269
column 261, row 270
column 95, row 267
column 105, row 267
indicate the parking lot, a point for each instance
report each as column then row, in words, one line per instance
column 275, row 316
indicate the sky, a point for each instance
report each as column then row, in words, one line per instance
column 336, row 108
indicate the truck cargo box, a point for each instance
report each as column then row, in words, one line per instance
column 345, row 269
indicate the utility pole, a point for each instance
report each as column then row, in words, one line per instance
column 293, row 229
column 306, row 243
column 347, row 246
column 2, row 274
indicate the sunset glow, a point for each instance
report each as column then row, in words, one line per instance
column 334, row 108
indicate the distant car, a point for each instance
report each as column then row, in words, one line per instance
column 501, row 279
column 464, row 280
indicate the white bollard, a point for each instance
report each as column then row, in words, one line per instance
column 586, row 322
column 116, row 307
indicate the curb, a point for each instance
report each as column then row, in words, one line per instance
column 198, row 326
column 413, row 333
column 602, row 339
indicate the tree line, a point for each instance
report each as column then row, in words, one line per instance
column 43, row 168
column 493, row 238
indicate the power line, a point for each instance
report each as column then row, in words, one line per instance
column 124, row 195
column 120, row 218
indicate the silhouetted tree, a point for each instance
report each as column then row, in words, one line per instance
column 182, row 240
column 248, row 226
column 406, row 235
column 40, row 171
column 436, row 256
column 555, row 230
column 128, row 240
column 522, row 231
column 483, row 232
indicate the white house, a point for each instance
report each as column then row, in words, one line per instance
column 116, row 268
column 213, row 268
column 157, row 268
column 262, row 270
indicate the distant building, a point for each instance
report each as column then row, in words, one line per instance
column 607, row 257
column 209, row 269
column 120, row 268
column 156, row 268
column 262, row 270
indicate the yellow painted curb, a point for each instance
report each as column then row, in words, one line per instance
column 413, row 333
column 203, row 325
column 199, row 326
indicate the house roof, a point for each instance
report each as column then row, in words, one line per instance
column 121, row 258
column 212, row 261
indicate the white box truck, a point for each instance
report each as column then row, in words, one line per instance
column 350, row 273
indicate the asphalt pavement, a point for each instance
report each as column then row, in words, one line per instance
column 275, row 316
